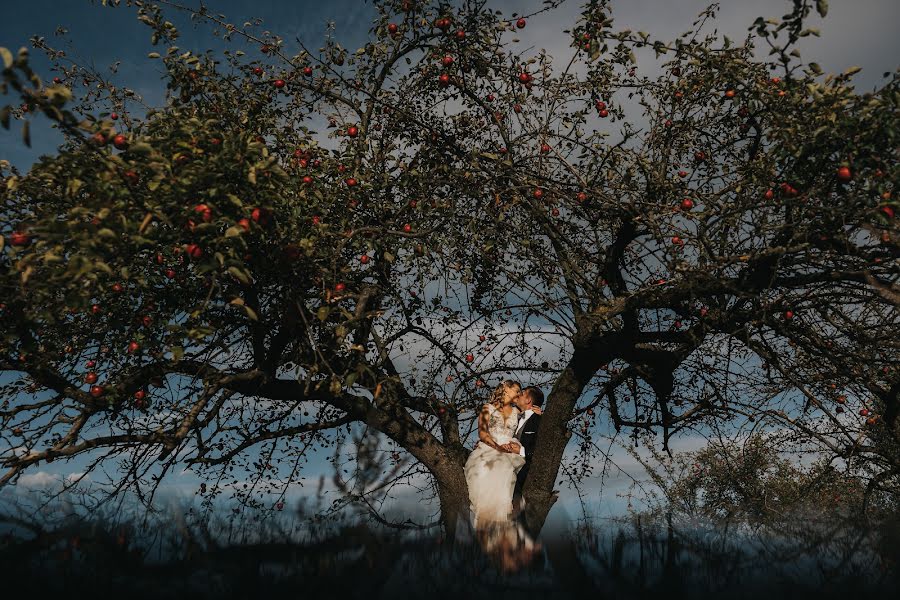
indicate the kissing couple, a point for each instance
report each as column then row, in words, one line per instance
column 496, row 469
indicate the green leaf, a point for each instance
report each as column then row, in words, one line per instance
column 251, row 313
column 4, row 116
column 26, row 133
column 73, row 186
column 140, row 148
column 103, row 267
column 240, row 274
column 233, row 231
column 322, row 313
column 7, row 57
column 815, row 68
column 822, row 7
column 177, row 352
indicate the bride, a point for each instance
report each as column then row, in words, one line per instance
column 492, row 466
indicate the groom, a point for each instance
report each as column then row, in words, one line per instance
column 526, row 433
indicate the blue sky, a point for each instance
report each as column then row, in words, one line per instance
column 858, row 33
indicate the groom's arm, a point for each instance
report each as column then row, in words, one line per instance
column 529, row 434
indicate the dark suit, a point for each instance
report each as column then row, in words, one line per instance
column 526, row 437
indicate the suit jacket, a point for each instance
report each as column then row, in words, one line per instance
column 528, row 435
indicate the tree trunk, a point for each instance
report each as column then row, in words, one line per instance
column 454, row 497
column 552, row 437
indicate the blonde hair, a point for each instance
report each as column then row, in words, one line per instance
column 497, row 394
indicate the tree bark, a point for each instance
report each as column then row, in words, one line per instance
column 553, row 434
column 454, row 498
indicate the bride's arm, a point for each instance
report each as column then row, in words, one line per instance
column 484, row 435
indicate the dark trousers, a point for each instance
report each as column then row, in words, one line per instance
column 520, row 482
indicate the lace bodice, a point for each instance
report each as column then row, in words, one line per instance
column 502, row 430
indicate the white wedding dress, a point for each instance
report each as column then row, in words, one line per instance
column 491, row 474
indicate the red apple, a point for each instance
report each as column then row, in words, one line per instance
column 407, row 228
column 844, row 175
column 520, row 23
column 351, row 182
column 352, row 131
column 364, row 259
column 308, row 71
column 133, row 347
column 140, row 395
column 770, row 193
column 117, row 287
column 582, row 197
column 730, row 93
column 340, row 287
column 687, row 204
column 91, row 377
column 864, row 411
column 538, row 193
column 447, row 60
column 392, row 28
column 244, row 224
column 278, row 83
column 444, row 79
column 887, row 211
column 95, row 309
column 603, row 113
column 147, row 320
column 259, row 215
column 19, row 238
column 788, row 315
column 470, row 357
column 257, row 71
column 525, row 78
column 96, row 391
column 545, row 148
column 460, row 34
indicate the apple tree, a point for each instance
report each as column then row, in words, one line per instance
column 215, row 283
